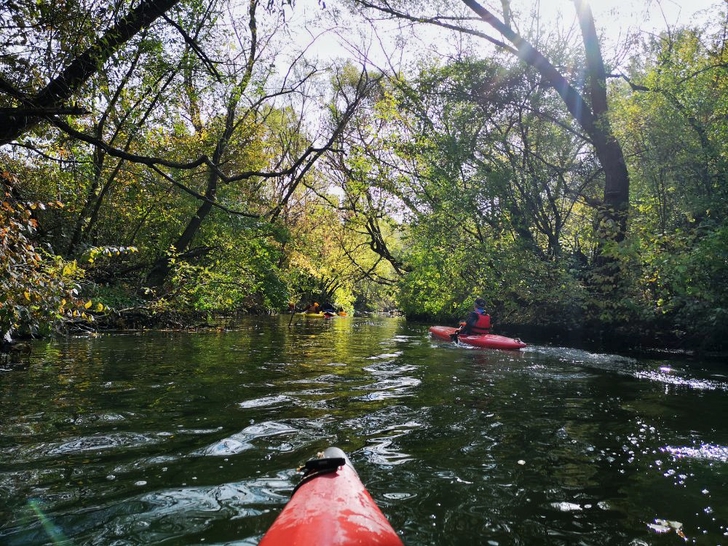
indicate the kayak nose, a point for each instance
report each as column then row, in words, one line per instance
column 331, row 507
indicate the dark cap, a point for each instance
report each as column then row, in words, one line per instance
column 480, row 303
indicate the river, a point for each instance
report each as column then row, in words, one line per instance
column 194, row 438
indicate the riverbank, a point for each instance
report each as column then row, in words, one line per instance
column 625, row 339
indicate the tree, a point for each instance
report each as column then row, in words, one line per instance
column 185, row 143
column 183, row 110
column 339, row 236
column 489, row 183
column 679, row 184
column 587, row 105
column 248, row 110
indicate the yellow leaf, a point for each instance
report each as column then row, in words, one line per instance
column 88, row 304
column 27, row 295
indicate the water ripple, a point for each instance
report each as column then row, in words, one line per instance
column 267, row 401
column 383, row 449
column 389, row 388
column 168, row 514
column 383, row 452
column 103, row 442
column 389, row 368
column 386, row 356
column 242, row 441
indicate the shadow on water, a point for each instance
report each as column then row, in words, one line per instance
column 177, row 438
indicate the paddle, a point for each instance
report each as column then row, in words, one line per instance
column 456, row 333
column 293, row 314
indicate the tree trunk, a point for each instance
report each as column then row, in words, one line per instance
column 162, row 266
column 612, row 212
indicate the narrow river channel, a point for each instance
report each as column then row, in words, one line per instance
column 194, row 438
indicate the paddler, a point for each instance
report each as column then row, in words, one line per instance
column 313, row 308
column 477, row 322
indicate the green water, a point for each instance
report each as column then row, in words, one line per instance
column 193, row 438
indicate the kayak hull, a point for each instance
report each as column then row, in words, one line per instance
column 331, row 509
column 487, row 341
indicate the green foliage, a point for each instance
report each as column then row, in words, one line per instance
column 431, row 289
column 492, row 208
column 240, row 276
column 701, row 293
column 92, row 255
column 674, row 131
column 685, row 283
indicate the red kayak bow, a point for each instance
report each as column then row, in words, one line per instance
column 331, row 507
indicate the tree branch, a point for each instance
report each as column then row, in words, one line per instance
column 80, row 70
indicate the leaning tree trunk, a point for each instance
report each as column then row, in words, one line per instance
column 593, row 117
column 607, row 281
column 162, row 267
column 14, row 123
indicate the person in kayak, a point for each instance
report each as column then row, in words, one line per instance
column 477, row 322
column 312, row 308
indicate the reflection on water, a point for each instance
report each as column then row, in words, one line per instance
column 667, row 376
column 706, row 452
column 181, row 438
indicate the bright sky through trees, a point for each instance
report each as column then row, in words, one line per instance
column 645, row 14
column 619, row 17
column 615, row 18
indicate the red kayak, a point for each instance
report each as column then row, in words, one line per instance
column 488, row 341
column 331, row 507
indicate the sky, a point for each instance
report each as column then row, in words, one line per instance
column 617, row 16
column 614, row 17
column 647, row 13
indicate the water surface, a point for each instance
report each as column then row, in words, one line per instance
column 187, row 438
